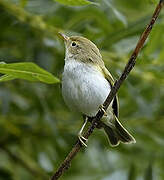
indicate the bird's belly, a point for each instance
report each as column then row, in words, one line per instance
column 84, row 89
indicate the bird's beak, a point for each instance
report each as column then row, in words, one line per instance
column 63, row 36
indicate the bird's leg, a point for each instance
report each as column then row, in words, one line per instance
column 82, row 139
column 102, row 108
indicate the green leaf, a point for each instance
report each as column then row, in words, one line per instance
column 28, row 71
column 6, row 77
column 75, row 2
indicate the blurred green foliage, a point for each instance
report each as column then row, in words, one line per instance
column 75, row 3
column 37, row 130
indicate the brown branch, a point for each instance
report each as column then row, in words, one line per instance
column 129, row 66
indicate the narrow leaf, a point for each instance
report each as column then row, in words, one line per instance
column 28, row 71
column 6, row 77
column 75, row 2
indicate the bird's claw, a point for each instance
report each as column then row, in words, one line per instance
column 103, row 109
column 82, row 139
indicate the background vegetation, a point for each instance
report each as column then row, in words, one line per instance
column 37, row 130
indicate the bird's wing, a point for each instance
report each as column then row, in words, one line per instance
column 110, row 79
column 108, row 75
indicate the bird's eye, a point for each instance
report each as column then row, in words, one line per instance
column 73, row 44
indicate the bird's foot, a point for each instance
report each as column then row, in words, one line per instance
column 103, row 109
column 82, row 139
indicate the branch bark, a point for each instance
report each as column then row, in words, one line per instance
column 95, row 121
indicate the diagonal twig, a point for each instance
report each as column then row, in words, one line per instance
column 129, row 66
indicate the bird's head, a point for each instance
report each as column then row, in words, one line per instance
column 80, row 48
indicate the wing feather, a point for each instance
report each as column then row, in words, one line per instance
column 110, row 79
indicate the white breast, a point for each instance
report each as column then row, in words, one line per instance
column 84, row 88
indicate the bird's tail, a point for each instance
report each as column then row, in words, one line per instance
column 117, row 133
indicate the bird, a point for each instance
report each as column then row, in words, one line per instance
column 86, row 83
